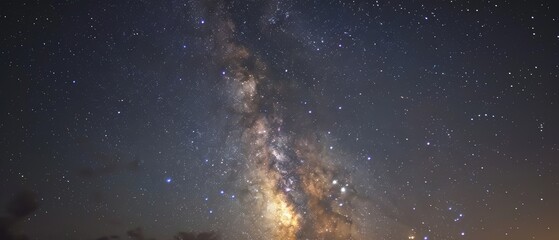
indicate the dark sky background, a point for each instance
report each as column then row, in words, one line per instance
column 280, row 119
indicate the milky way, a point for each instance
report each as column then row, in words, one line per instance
column 290, row 184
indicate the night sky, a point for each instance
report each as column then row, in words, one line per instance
column 279, row 120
